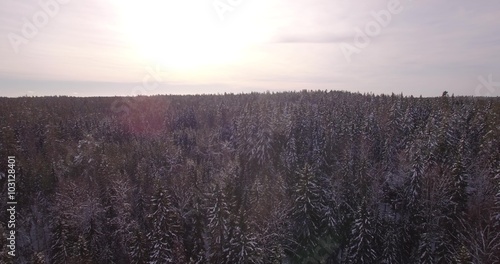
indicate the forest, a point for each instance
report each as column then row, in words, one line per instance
column 288, row 177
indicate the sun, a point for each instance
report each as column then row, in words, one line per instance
column 183, row 34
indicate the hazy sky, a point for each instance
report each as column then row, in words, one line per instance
column 125, row 47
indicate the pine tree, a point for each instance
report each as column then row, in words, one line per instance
column 93, row 231
column 61, row 246
column 426, row 249
column 415, row 186
column 83, row 251
column 459, row 188
column 496, row 180
column 243, row 246
column 196, row 232
column 262, row 150
column 138, row 246
column 218, row 225
column 390, row 247
column 311, row 204
column 412, row 206
column 362, row 246
column 165, row 226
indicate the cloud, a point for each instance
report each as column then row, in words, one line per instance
column 311, row 38
column 429, row 47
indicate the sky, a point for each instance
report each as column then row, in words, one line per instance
column 127, row 48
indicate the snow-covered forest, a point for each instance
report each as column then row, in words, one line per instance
column 295, row 177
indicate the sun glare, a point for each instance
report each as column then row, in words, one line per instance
column 183, row 34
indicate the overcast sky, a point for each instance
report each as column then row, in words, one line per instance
column 125, row 47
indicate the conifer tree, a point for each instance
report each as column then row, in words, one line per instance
column 243, row 245
column 363, row 242
column 165, row 226
column 309, row 208
column 138, row 245
column 60, row 249
column 218, row 225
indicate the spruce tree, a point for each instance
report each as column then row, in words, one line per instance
column 363, row 241
column 218, row 225
column 165, row 225
column 310, row 206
